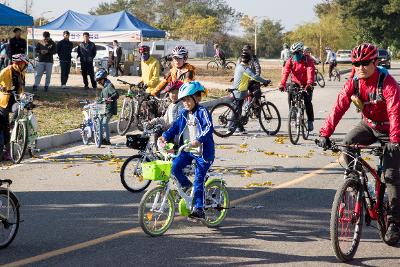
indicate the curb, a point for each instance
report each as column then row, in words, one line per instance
column 73, row 136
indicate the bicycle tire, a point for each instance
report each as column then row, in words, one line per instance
column 230, row 65
column 383, row 222
column 320, row 79
column 98, row 132
column 293, row 130
column 212, row 66
column 269, row 117
column 124, row 178
column 222, row 206
column 142, row 115
column 144, row 216
column 223, row 118
column 17, row 158
column 304, row 128
column 84, row 134
column 14, row 203
column 128, row 117
column 337, row 207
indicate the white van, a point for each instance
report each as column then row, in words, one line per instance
column 164, row 47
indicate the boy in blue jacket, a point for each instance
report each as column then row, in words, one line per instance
column 193, row 124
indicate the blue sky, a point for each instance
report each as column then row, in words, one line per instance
column 289, row 12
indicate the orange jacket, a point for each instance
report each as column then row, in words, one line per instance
column 185, row 74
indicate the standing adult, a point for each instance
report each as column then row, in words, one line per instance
column 117, row 56
column 64, row 49
column 17, row 44
column 87, row 52
column 285, row 54
column 331, row 60
column 45, row 49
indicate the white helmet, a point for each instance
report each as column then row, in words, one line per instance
column 296, row 47
column 180, row 52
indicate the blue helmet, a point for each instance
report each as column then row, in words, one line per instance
column 190, row 88
column 101, row 74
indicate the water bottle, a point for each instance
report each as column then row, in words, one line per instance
column 371, row 190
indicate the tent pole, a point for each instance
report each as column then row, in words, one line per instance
column 33, row 46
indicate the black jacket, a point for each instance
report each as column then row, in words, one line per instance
column 50, row 49
column 64, row 49
column 119, row 54
column 87, row 52
column 17, row 46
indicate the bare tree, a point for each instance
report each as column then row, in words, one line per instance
column 28, row 6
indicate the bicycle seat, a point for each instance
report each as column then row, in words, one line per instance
column 5, row 181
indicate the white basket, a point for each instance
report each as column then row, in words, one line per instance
column 101, row 108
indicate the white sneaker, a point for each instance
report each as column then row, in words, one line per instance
column 64, row 86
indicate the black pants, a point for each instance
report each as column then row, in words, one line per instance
column 362, row 134
column 117, row 66
column 332, row 65
column 87, row 69
column 307, row 102
column 4, row 127
column 65, row 69
column 254, row 89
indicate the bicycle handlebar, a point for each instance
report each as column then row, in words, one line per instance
column 171, row 155
column 338, row 147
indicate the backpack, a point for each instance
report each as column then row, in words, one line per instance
column 372, row 96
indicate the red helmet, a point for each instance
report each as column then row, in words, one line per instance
column 364, row 52
column 144, row 49
column 172, row 86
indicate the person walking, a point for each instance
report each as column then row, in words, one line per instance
column 17, row 44
column 45, row 49
column 116, row 57
column 87, row 52
column 64, row 49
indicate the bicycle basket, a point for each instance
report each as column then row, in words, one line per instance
column 101, row 108
column 158, row 170
column 137, row 141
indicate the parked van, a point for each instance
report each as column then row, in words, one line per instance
column 164, row 47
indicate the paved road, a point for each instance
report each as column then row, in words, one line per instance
column 77, row 213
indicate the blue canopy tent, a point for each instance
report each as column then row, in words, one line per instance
column 121, row 26
column 12, row 17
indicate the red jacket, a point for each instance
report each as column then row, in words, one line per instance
column 302, row 71
column 383, row 116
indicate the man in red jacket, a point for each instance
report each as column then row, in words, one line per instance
column 302, row 68
column 377, row 95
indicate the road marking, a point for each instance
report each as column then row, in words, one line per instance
column 137, row 230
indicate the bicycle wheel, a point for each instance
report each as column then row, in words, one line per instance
column 216, row 203
column 230, row 66
column 85, row 133
column 9, row 218
column 212, row 66
column 294, row 125
column 155, row 218
column 383, row 223
column 131, row 174
column 270, row 119
column 320, row 79
column 125, row 117
column 345, row 226
column 224, row 119
column 98, row 132
column 143, row 115
column 18, row 146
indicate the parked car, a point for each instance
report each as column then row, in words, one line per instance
column 102, row 54
column 343, row 56
column 384, row 58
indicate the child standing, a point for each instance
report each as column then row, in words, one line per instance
column 110, row 96
column 193, row 124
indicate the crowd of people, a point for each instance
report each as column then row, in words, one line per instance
column 371, row 88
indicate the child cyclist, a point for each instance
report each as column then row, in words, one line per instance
column 110, row 95
column 193, row 124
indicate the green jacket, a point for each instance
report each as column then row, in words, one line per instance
column 109, row 91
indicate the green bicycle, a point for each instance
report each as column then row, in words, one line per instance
column 9, row 214
column 157, row 206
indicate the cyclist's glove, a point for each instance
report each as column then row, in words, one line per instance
column 281, row 88
column 324, row 142
column 392, row 147
column 267, row 83
column 309, row 87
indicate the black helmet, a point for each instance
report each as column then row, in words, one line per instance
column 245, row 57
column 246, row 47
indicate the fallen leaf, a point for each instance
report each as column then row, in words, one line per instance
column 269, row 153
column 244, row 145
column 247, row 173
column 78, row 174
column 223, row 147
column 265, row 184
column 240, row 151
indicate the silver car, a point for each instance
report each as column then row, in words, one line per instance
column 343, row 56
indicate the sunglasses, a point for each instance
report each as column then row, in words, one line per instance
column 362, row 63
